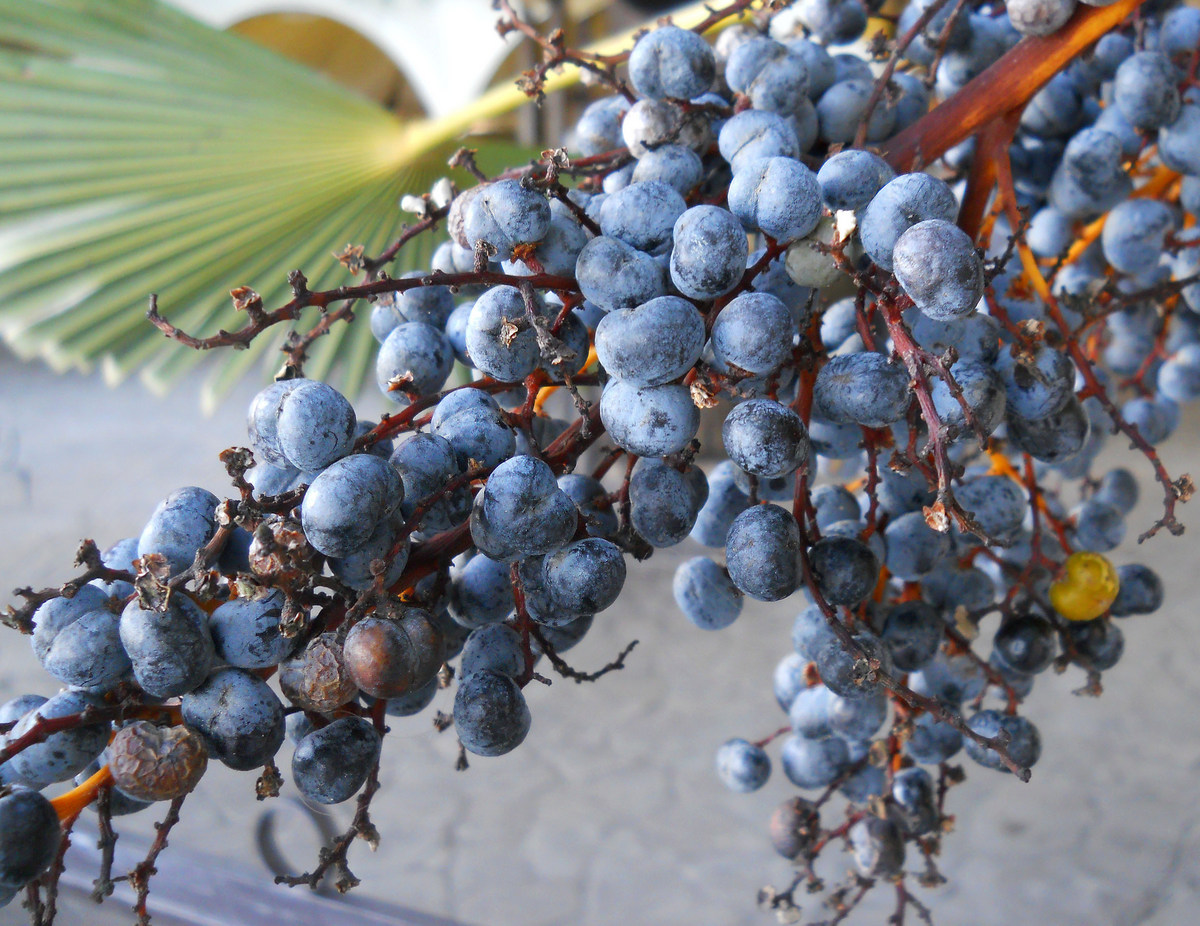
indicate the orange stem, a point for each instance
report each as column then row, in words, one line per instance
column 70, row 805
column 1006, row 85
column 1162, row 179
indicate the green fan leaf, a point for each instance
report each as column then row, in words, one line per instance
column 142, row 151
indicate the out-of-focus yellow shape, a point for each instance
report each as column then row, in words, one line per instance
column 1087, row 589
column 338, row 52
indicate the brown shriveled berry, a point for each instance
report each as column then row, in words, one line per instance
column 390, row 656
column 318, row 679
column 151, row 763
column 794, row 824
column 280, row 551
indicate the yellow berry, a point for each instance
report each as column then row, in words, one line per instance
column 1087, row 589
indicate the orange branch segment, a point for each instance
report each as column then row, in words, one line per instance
column 70, row 805
column 1006, row 85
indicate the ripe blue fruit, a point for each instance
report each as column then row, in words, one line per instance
column 778, row 196
column 900, row 204
column 1146, row 91
column 346, row 502
column 709, row 257
column 61, row 755
column 614, row 275
column 331, row 764
column 754, row 332
column 814, row 763
column 585, row 576
column 238, row 716
column 851, row 178
column 29, row 837
column 725, row 502
column 765, row 438
column 913, row 632
column 262, row 421
column 490, row 714
column 246, row 633
column 865, row 389
column 521, row 511
column 671, row 62
column 642, row 214
column 170, row 651
column 649, row 421
column 315, row 426
column 844, row 569
column 1025, row 744
column 416, row 357
column 761, row 552
column 742, row 767
column 653, row 343
column 936, row 264
column 504, row 215
column 501, row 340
column 475, row 426
column 753, row 134
column 182, row 523
column 495, row 648
column 705, row 594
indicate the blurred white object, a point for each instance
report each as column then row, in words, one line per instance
column 448, row 50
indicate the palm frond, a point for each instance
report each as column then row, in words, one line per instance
column 142, row 151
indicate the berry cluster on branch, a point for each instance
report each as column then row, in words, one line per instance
column 919, row 288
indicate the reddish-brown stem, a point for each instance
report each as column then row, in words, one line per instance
column 304, row 298
column 524, row 624
column 898, row 49
column 1174, row 491
column 1007, row 84
column 990, row 143
column 905, row 694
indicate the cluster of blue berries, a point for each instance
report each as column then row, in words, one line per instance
column 910, row 427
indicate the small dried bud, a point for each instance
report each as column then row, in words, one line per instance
column 400, row 382
column 351, row 258
column 418, row 205
column 269, row 782
column 508, row 332
column 935, row 517
column 442, row 192
column 703, row 395
column 963, row 623
column 152, row 763
column 557, row 156
column 1033, row 328
column 845, row 222
column 245, row 299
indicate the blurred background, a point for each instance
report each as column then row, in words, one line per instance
column 186, row 149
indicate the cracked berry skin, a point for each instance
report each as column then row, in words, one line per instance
column 151, row 763
column 317, row 678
